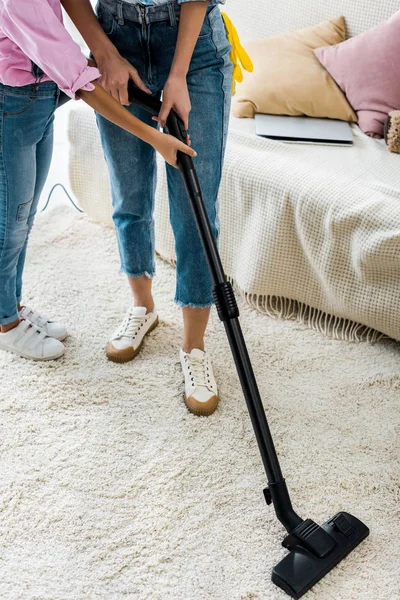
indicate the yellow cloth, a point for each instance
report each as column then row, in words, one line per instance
column 238, row 54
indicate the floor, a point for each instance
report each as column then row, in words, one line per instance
column 111, row 490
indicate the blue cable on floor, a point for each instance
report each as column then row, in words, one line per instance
column 67, row 194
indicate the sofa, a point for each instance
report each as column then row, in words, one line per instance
column 310, row 233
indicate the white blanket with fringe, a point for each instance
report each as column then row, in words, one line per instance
column 307, row 232
column 310, row 232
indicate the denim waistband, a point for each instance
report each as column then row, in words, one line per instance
column 142, row 14
column 48, row 88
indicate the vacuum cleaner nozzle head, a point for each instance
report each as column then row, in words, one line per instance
column 302, row 567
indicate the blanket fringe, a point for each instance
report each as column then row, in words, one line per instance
column 336, row 328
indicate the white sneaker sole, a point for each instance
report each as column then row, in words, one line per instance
column 34, row 358
column 62, row 338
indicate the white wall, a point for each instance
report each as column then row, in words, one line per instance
column 73, row 31
column 265, row 18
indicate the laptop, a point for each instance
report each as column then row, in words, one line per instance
column 304, row 130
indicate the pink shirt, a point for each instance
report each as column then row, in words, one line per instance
column 34, row 30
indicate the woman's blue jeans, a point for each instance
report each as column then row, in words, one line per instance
column 148, row 40
column 26, row 144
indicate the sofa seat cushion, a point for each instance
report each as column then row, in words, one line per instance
column 317, row 224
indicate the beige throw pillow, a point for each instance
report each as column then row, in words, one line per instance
column 288, row 79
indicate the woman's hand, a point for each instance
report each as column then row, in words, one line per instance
column 168, row 146
column 175, row 96
column 116, row 72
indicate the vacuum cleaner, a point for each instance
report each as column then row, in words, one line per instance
column 313, row 549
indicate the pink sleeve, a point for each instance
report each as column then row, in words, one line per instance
column 35, row 28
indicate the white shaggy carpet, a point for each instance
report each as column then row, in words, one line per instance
column 111, row 490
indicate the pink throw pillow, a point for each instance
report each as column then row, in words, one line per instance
column 367, row 69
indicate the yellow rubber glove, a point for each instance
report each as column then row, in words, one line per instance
column 239, row 56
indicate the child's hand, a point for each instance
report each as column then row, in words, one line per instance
column 168, row 146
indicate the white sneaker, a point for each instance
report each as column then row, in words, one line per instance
column 44, row 324
column 127, row 340
column 201, row 392
column 28, row 341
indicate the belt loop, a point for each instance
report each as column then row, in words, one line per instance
column 120, row 12
column 38, row 75
column 140, row 12
column 172, row 15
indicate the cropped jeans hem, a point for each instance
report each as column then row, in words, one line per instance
column 149, row 275
column 192, row 305
column 9, row 320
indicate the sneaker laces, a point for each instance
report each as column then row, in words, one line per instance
column 198, row 371
column 130, row 325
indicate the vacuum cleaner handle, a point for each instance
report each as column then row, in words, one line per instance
column 175, row 125
column 223, row 295
column 149, row 103
column 314, row 550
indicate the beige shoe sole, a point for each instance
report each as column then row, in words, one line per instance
column 127, row 354
column 202, row 409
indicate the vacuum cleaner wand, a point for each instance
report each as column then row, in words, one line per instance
column 314, row 550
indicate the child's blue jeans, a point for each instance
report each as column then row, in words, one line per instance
column 26, row 143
